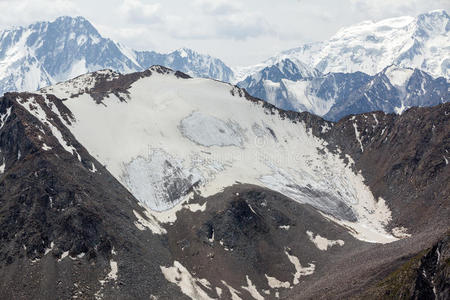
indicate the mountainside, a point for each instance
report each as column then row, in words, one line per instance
column 158, row 185
column 336, row 95
column 421, row 42
column 48, row 52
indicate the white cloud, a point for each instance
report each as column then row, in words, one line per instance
column 25, row 12
column 139, row 12
column 240, row 32
column 218, row 7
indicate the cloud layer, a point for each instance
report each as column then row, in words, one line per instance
column 240, row 32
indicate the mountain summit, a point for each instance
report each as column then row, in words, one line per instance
column 421, row 42
column 48, row 52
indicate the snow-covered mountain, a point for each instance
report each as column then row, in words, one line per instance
column 335, row 95
column 421, row 42
column 48, row 52
column 144, row 185
column 179, row 139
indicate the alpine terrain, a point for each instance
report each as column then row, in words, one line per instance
column 388, row 66
column 421, row 42
column 45, row 53
column 156, row 185
column 336, row 95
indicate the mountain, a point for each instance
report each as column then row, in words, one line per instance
column 336, row 95
column 140, row 186
column 421, row 42
column 48, row 52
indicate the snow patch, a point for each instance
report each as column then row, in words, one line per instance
column 45, row 147
column 189, row 285
column 275, row 283
column 251, row 288
column 299, row 270
column 63, row 255
column 322, row 243
column 93, row 169
column 32, row 106
column 399, row 77
column 4, row 117
column 234, row 293
column 400, row 232
column 148, row 223
column 358, row 137
column 48, row 250
column 2, row 167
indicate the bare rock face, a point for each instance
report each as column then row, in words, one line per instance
column 67, row 231
column 425, row 276
column 404, row 158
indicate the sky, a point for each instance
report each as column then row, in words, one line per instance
column 240, row 33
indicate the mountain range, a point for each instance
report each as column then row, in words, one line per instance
column 336, row 95
column 421, row 42
column 344, row 75
column 137, row 186
column 45, row 53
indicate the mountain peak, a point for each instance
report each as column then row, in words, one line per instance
column 370, row 46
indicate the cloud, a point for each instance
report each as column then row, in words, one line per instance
column 25, row 12
column 242, row 26
column 241, row 32
column 218, row 7
column 139, row 12
column 217, row 19
column 381, row 9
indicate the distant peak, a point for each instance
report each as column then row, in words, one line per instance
column 436, row 12
column 70, row 18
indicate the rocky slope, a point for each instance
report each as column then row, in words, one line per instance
column 336, row 95
column 158, row 185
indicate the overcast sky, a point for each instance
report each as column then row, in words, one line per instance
column 238, row 32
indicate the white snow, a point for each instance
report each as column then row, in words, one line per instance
column 234, row 293
column 400, row 232
column 45, row 147
column 159, row 151
column 48, row 250
column 148, row 223
column 251, row 288
column 189, row 285
column 35, row 109
column 299, row 270
column 209, row 131
column 93, row 169
column 357, row 135
column 63, row 255
column 416, row 42
column 376, row 120
column 2, row 167
column 275, row 283
column 4, row 117
column 285, row 227
column 323, row 243
column 194, row 207
column 77, row 68
column 112, row 275
column 399, row 77
column 300, row 95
